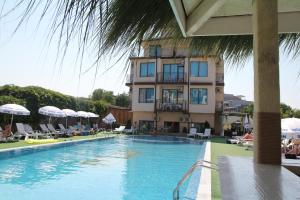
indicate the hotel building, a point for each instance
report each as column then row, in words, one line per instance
column 173, row 88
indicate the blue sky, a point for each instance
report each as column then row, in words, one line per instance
column 27, row 58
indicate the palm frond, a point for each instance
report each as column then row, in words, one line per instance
column 114, row 25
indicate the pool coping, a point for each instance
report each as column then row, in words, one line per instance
column 204, row 188
column 56, row 143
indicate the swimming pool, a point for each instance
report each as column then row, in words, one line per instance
column 121, row 168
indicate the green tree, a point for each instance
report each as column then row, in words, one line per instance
column 286, row 111
column 97, row 94
column 122, row 100
column 296, row 113
column 100, row 107
column 248, row 109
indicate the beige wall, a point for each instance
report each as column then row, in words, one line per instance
column 137, row 66
column 136, row 106
column 207, row 108
column 201, row 118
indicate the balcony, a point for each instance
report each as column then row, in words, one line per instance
column 171, row 107
column 172, row 78
column 129, row 79
column 220, row 79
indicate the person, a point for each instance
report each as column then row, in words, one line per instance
column 7, row 131
column 248, row 137
column 295, row 147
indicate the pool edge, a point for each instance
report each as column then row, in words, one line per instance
column 55, row 144
column 204, row 188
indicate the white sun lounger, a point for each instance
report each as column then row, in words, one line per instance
column 22, row 132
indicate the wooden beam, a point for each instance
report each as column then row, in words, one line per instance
column 205, row 10
column 179, row 13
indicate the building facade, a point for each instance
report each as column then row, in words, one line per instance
column 174, row 88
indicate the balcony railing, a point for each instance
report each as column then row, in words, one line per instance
column 219, row 78
column 171, row 107
column 175, row 77
column 129, row 79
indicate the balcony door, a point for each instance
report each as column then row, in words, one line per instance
column 172, row 96
column 173, row 73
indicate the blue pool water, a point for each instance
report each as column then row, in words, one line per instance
column 124, row 168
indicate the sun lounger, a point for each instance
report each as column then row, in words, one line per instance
column 67, row 132
column 193, row 132
column 35, row 134
column 74, row 131
column 206, row 133
column 53, row 130
column 120, row 129
column 21, row 132
column 47, row 131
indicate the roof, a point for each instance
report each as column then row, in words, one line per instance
column 229, row 17
column 119, row 107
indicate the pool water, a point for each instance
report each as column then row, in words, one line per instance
column 123, row 168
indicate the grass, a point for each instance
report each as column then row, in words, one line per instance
column 220, row 148
column 23, row 143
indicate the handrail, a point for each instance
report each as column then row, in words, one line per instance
column 199, row 163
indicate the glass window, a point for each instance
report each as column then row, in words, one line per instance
column 173, row 72
column 199, row 69
column 147, row 69
column 198, row 96
column 155, row 50
column 146, row 95
column 172, row 96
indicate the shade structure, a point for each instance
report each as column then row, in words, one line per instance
column 51, row 111
column 69, row 113
column 109, row 119
column 290, row 128
column 14, row 109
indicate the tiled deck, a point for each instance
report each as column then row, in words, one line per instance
column 241, row 178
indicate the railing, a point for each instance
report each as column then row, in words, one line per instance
column 129, row 79
column 219, row 78
column 219, row 106
column 171, row 106
column 174, row 77
column 199, row 163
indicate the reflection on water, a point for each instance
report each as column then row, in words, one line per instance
column 115, row 169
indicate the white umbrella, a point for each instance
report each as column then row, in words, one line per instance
column 82, row 114
column 92, row 115
column 290, row 127
column 51, row 111
column 14, row 109
column 109, row 119
column 69, row 113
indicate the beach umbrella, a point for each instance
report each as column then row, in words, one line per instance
column 51, row 111
column 82, row 114
column 109, row 119
column 91, row 115
column 69, row 113
column 14, row 109
column 290, row 127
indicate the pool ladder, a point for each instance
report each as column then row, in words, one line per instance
column 199, row 163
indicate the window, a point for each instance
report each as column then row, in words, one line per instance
column 147, row 69
column 173, row 73
column 146, row 95
column 155, row 50
column 146, row 126
column 198, row 96
column 199, row 69
column 172, row 96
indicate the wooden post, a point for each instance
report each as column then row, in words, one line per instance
column 266, row 83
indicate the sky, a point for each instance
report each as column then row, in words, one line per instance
column 27, row 57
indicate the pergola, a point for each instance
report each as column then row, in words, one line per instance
column 264, row 19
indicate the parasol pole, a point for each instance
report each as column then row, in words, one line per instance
column 50, row 120
column 11, row 121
